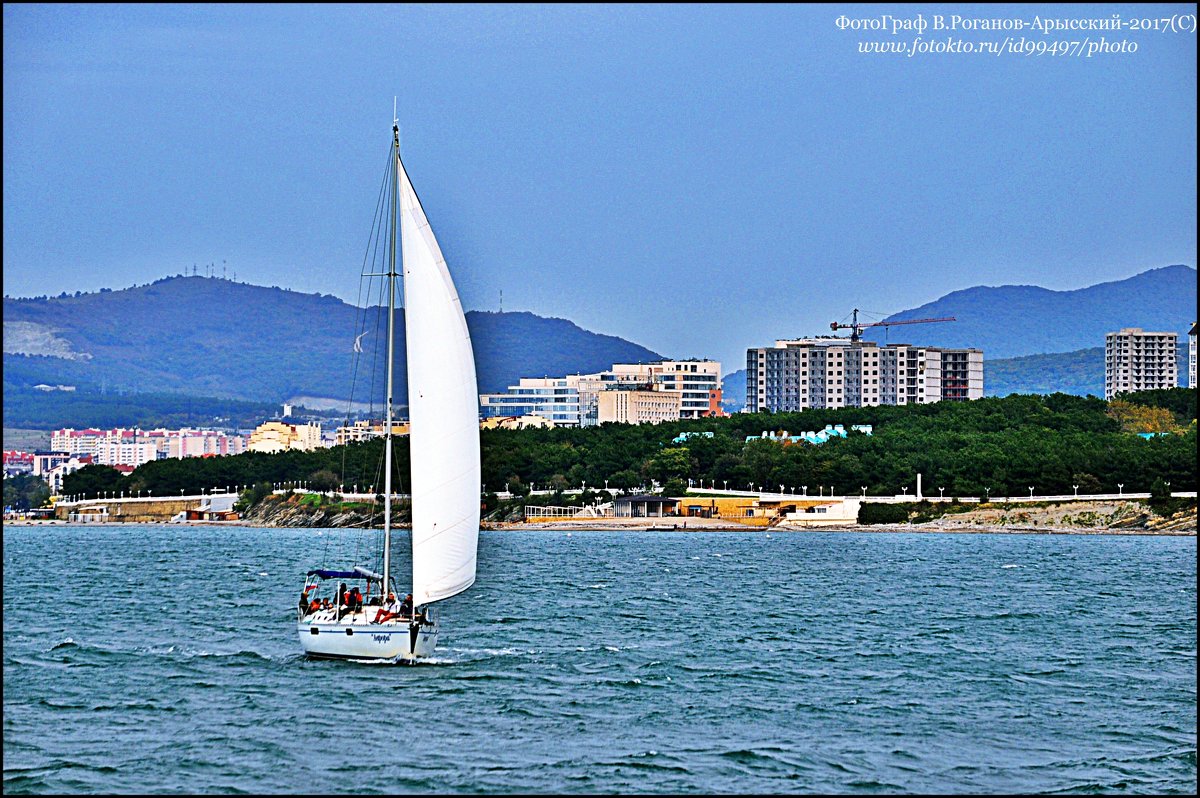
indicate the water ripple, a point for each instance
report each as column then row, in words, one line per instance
column 613, row 662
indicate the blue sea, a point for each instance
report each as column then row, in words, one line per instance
column 164, row 659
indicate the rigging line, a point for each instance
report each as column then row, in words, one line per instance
column 373, row 383
column 378, row 256
column 375, row 317
column 324, row 553
column 372, row 243
column 381, row 317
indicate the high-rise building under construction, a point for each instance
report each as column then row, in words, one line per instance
column 840, row 372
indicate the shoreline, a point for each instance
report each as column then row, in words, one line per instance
column 882, row 529
column 698, row 525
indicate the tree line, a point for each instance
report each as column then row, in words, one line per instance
column 995, row 446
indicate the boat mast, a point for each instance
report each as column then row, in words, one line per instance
column 387, row 437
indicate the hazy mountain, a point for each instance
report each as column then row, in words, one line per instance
column 1014, row 320
column 733, row 391
column 217, row 338
column 1080, row 372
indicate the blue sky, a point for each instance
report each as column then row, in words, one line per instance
column 698, row 179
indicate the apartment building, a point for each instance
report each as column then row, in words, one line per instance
column 366, row 430
column 638, row 406
column 1136, row 360
column 555, row 399
column 17, row 462
column 275, row 436
column 167, row 443
column 125, row 453
column 831, row 372
column 693, row 380
column 573, row 400
column 1192, row 356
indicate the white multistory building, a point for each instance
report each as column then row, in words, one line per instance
column 166, row 443
column 1136, row 360
column 1192, row 356
column 829, row 372
column 573, row 400
column 125, row 453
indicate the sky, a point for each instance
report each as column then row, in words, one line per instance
column 696, row 179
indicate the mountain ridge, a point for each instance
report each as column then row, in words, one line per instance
column 1017, row 320
column 214, row 337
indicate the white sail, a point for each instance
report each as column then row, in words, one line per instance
column 443, row 410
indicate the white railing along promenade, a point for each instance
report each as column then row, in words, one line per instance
column 70, row 501
column 772, row 496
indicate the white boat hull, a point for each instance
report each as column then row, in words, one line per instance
column 324, row 636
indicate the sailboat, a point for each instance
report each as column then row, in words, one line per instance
column 444, row 452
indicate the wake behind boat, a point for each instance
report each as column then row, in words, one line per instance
column 368, row 622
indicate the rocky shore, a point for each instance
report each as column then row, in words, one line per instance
column 1076, row 518
column 1084, row 518
column 292, row 513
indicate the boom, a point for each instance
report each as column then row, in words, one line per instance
column 856, row 328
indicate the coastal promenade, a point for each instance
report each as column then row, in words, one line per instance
column 909, row 497
column 840, row 511
column 149, row 509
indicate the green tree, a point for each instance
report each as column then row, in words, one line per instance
column 25, row 492
column 93, row 480
column 323, row 480
column 674, row 488
column 668, row 464
column 253, row 495
column 1088, row 484
column 624, row 480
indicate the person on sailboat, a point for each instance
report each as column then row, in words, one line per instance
column 406, row 606
column 388, row 611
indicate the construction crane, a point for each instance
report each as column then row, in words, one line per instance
column 856, row 329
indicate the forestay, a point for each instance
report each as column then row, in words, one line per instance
column 443, row 410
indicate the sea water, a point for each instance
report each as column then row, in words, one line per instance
column 165, row 659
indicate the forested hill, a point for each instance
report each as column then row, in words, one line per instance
column 213, row 337
column 1014, row 320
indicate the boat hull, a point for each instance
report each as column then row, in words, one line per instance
column 330, row 639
